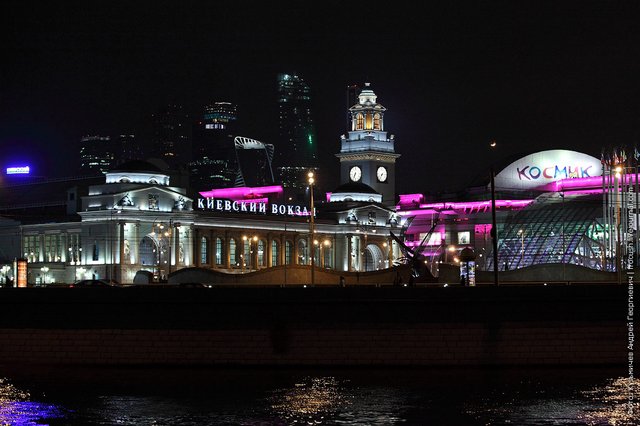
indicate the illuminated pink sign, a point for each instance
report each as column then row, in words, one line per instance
column 242, row 193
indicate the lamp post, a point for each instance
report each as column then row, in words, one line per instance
column 494, row 227
column 75, row 256
column 44, row 270
column 251, row 241
column 169, row 234
column 521, row 233
column 311, row 180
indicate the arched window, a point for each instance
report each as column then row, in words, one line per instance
column 262, row 258
column 246, row 253
column 218, row 251
column 232, row 252
column 359, row 121
column 303, row 257
column 288, row 253
column 377, row 121
column 369, row 124
column 204, row 248
column 274, row 253
column 327, row 252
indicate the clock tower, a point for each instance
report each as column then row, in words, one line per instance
column 367, row 154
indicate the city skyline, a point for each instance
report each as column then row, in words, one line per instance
column 530, row 76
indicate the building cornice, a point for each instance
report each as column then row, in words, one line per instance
column 385, row 157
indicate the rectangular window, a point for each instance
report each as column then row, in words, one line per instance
column 232, row 252
column 96, row 252
column 31, row 248
column 274, row 253
column 203, row 250
column 464, row 237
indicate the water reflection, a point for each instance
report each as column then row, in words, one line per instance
column 17, row 409
column 618, row 403
column 538, row 403
column 293, row 397
column 321, row 400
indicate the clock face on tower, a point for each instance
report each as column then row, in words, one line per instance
column 381, row 174
column 355, row 173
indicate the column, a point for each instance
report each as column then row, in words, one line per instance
column 41, row 247
column 197, row 248
column 121, row 259
column 267, row 250
column 226, row 252
column 349, row 249
column 134, row 246
column 176, row 246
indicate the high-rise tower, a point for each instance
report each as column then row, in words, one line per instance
column 213, row 162
column 172, row 135
column 297, row 146
column 367, row 154
column 97, row 154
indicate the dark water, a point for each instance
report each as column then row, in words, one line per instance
column 308, row 397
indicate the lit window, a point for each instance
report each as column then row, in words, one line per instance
column 359, row 121
column 464, row 237
column 204, row 245
column 218, row 251
column 377, row 122
column 232, row 251
column 274, row 253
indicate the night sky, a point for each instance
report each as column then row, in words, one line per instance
column 453, row 75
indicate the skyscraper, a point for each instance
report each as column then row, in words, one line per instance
column 172, row 135
column 128, row 148
column 296, row 146
column 97, row 154
column 213, row 162
column 353, row 90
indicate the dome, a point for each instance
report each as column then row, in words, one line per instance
column 359, row 187
column 355, row 191
column 137, row 171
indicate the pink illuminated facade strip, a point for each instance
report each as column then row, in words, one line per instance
column 591, row 183
column 242, row 192
column 469, row 207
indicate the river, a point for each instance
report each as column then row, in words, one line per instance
column 235, row 396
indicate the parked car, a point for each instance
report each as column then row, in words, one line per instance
column 94, row 283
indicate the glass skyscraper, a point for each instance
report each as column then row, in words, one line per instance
column 296, row 146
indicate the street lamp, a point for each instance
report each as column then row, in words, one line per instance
column 243, row 256
column 521, row 233
column 494, row 227
column 311, row 180
column 44, row 270
column 75, row 257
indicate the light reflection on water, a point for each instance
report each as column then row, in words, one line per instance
column 316, row 400
column 377, row 397
column 617, row 408
column 17, row 409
